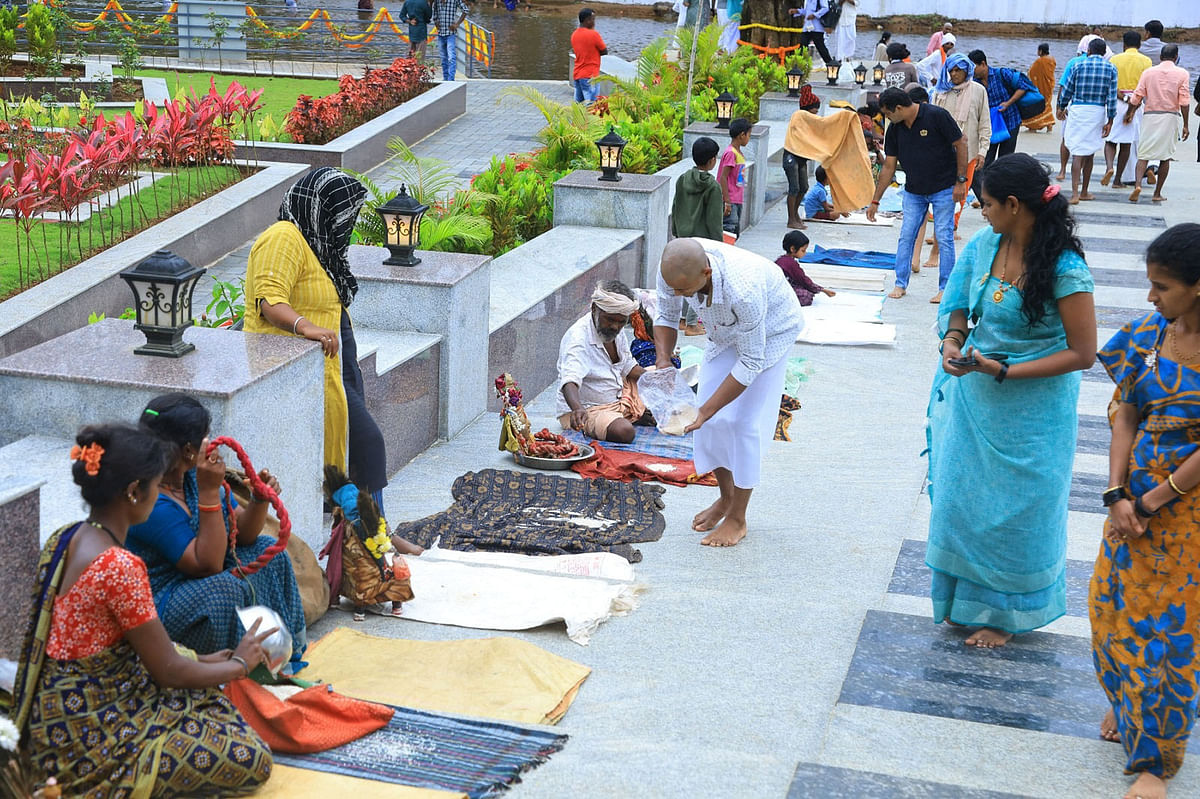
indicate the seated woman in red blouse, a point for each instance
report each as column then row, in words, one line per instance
column 795, row 247
column 110, row 706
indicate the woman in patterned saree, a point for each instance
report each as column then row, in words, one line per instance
column 185, row 540
column 1002, row 410
column 1145, row 591
column 110, row 706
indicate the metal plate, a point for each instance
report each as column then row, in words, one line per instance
column 555, row 464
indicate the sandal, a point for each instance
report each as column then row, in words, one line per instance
column 397, row 609
column 360, row 615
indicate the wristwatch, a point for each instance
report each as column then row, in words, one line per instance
column 1114, row 495
column 962, row 178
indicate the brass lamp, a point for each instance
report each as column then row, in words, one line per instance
column 725, row 102
column 611, row 146
column 401, row 217
column 162, row 287
column 860, row 74
column 831, row 72
column 877, row 73
column 795, row 79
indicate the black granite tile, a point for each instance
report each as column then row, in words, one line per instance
column 1106, row 195
column 1094, row 435
column 830, row 782
column 1120, row 220
column 1116, row 317
column 19, row 550
column 1039, row 681
column 910, row 577
column 1130, row 246
column 1097, row 374
column 1119, row 278
column 1085, row 492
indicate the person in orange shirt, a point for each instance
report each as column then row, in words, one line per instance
column 588, row 47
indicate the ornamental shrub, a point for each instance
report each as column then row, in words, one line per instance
column 358, row 100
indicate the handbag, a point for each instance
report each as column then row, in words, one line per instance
column 1032, row 103
column 999, row 126
column 831, row 17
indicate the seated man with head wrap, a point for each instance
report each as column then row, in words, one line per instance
column 597, row 374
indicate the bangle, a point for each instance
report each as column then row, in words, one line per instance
column 1140, row 509
column 296, row 324
column 950, row 330
column 1175, row 488
column 1003, row 373
column 209, row 508
column 245, row 665
column 874, row 202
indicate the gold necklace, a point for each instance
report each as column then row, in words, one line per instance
column 1178, row 352
column 998, row 294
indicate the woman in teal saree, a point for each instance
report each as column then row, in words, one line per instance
column 1017, row 324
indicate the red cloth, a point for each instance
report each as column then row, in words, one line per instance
column 334, row 567
column 617, row 464
column 587, row 45
column 313, row 720
column 112, row 595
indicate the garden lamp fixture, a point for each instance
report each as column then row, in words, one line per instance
column 877, row 73
column 162, row 287
column 831, row 72
column 725, row 102
column 795, row 78
column 860, row 74
column 610, row 147
column 401, row 217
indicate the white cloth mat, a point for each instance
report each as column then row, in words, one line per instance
column 847, row 333
column 846, row 306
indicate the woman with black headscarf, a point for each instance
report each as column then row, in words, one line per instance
column 298, row 282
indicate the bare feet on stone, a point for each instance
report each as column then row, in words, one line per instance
column 710, row 517
column 796, row 225
column 1147, row 786
column 987, row 638
column 897, row 293
column 1108, row 728
column 1087, row 197
column 727, row 534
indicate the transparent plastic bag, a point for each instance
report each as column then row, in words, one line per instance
column 278, row 646
column 668, row 396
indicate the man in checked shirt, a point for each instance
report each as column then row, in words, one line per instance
column 1091, row 95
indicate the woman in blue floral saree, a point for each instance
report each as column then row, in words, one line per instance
column 1144, row 601
column 1017, row 324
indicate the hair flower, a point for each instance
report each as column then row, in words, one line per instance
column 90, row 455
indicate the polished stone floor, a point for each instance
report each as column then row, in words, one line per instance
column 804, row 661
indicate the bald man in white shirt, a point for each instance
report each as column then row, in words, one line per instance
column 752, row 318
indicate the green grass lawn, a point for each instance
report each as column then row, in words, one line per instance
column 57, row 246
column 279, row 95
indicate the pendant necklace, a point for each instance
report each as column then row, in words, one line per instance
column 1179, row 357
column 100, row 526
column 998, row 294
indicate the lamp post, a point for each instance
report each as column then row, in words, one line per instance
column 725, row 102
column 162, row 287
column 795, row 78
column 877, row 73
column 610, row 147
column 831, row 72
column 860, row 74
column 401, row 217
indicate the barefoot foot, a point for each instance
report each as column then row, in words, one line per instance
column 797, row 225
column 936, row 298
column 897, row 293
column 952, row 623
column 930, row 265
column 1060, row 176
column 1136, row 194
column 726, row 535
column 1108, row 175
column 1108, row 728
column 987, row 638
column 710, row 517
column 1086, row 197
column 1147, row 786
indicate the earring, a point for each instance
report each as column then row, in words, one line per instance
column 133, row 500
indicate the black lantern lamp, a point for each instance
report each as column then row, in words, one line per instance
column 162, row 288
column 831, row 72
column 725, row 102
column 877, row 73
column 860, row 74
column 795, row 79
column 611, row 147
column 401, row 217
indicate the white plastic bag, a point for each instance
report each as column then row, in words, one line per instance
column 668, row 396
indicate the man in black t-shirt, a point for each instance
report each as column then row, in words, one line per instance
column 928, row 143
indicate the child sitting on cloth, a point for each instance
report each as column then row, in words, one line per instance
column 795, row 247
column 817, row 202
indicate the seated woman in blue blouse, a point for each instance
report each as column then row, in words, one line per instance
column 185, row 542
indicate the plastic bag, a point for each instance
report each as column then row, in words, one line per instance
column 278, row 646
column 668, row 396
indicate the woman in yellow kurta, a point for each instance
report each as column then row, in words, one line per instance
column 298, row 282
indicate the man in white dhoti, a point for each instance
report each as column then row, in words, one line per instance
column 752, row 319
column 1163, row 92
column 1123, row 137
column 1091, row 95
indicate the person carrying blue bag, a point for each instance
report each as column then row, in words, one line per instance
column 1011, row 96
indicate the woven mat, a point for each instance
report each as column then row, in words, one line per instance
column 647, row 440
column 499, row 510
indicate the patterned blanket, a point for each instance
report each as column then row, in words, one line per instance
column 647, row 440
column 541, row 514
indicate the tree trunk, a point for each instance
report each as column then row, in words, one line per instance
column 774, row 13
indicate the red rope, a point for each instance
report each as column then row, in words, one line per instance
column 261, row 489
